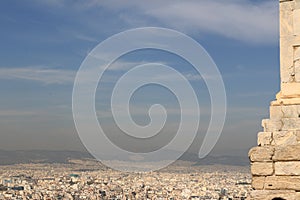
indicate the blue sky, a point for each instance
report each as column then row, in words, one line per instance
column 43, row 44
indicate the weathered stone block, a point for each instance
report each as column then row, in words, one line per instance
column 287, row 168
column 296, row 21
column 297, row 4
column 291, row 111
column 261, row 154
column 291, row 101
column 297, row 195
column 284, row 138
column 290, row 89
column 287, row 153
column 286, row 18
column 271, row 194
column 271, row 125
column 290, row 123
column 296, row 53
column 287, row 5
column 276, row 112
column 258, row 182
column 282, row 183
column 286, row 59
column 297, row 71
column 297, row 133
column 296, row 40
column 262, row 168
column 264, row 138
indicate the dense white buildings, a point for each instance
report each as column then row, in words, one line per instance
column 58, row 181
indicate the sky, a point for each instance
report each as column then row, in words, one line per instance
column 43, row 44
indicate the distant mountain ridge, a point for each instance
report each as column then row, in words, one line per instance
column 234, row 160
column 48, row 156
column 39, row 156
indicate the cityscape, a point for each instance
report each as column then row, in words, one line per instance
column 82, row 179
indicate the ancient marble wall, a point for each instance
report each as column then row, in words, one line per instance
column 275, row 162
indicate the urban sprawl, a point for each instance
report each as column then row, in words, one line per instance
column 79, row 180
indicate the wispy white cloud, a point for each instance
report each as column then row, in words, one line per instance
column 47, row 75
column 86, row 38
column 243, row 20
column 237, row 19
column 39, row 74
column 123, row 65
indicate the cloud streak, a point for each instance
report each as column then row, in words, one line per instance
column 241, row 20
column 39, row 74
column 60, row 76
